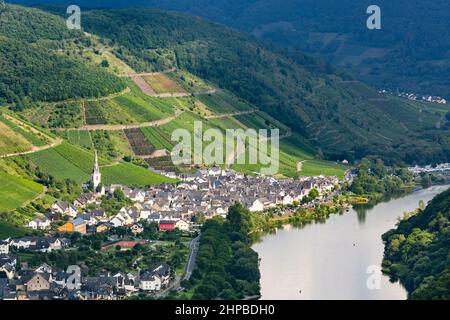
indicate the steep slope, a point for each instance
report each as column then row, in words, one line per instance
column 342, row 116
column 411, row 52
column 31, row 69
column 417, row 251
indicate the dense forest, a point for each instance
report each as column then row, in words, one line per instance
column 417, row 251
column 227, row 267
column 32, row 70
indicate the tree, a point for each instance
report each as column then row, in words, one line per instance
column 104, row 63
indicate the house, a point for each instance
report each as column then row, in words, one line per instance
column 77, row 225
column 8, row 265
column 149, row 281
column 37, row 281
column 85, row 199
column 182, row 225
column 162, row 271
column 64, row 208
column 167, row 225
column 4, row 247
column 256, row 206
column 44, row 268
column 39, row 222
column 24, row 242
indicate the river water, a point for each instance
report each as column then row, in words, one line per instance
column 330, row 260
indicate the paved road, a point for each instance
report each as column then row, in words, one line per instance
column 194, row 244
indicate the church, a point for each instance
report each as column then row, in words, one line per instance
column 96, row 177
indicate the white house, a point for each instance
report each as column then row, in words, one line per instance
column 257, row 206
column 4, row 247
column 150, row 282
column 182, row 225
column 40, row 222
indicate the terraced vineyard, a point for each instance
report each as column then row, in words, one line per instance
column 80, row 138
column 161, row 83
column 140, row 145
column 162, row 163
column 71, row 162
column 223, row 102
column 94, row 113
column 158, row 138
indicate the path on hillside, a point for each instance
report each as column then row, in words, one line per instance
column 54, row 141
column 230, row 114
column 117, row 127
column 144, row 74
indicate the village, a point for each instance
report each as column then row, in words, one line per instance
column 175, row 210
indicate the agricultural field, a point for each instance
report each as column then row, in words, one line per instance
column 161, row 83
column 65, row 162
column 157, row 138
column 110, row 145
column 56, row 115
column 223, row 102
column 15, row 191
column 35, row 137
column 138, row 142
column 189, row 82
column 72, row 162
column 80, row 137
column 131, row 175
column 11, row 141
column 162, row 163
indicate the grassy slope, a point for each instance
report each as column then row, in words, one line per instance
column 69, row 161
column 15, row 191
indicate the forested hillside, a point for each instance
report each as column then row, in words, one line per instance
column 417, row 251
column 410, row 52
column 31, row 69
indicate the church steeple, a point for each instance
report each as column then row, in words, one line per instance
column 96, row 175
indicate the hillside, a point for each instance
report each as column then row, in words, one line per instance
column 410, row 53
column 29, row 40
column 343, row 117
column 416, row 252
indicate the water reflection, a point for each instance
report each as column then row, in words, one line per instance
column 330, row 260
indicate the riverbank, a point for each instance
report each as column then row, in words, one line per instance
column 330, row 260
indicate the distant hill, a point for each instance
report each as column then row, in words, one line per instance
column 345, row 118
column 326, row 107
column 416, row 251
column 410, row 53
column 31, row 69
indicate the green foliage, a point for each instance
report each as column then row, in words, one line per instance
column 416, row 252
column 227, row 266
column 373, row 178
column 31, row 71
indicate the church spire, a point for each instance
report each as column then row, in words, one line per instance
column 96, row 175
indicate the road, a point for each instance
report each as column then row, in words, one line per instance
column 193, row 245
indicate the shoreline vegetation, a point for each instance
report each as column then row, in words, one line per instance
column 416, row 251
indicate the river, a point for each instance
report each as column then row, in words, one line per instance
column 330, row 260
